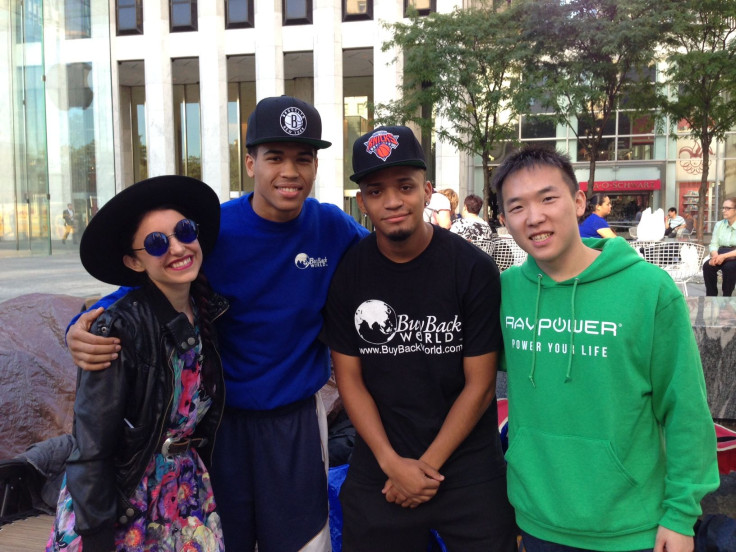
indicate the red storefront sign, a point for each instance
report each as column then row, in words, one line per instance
column 623, row 185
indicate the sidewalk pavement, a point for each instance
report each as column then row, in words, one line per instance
column 62, row 273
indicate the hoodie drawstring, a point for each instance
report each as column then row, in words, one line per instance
column 536, row 330
column 568, row 374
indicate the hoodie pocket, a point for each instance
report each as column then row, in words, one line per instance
column 573, row 483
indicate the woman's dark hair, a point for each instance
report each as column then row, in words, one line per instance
column 596, row 200
column 473, row 203
column 202, row 294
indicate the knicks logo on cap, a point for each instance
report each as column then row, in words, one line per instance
column 381, row 144
column 293, row 121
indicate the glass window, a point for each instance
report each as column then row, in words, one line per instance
column 188, row 130
column 238, row 14
column 129, row 17
column 630, row 123
column 635, row 148
column 423, row 7
column 537, row 127
column 353, row 10
column 138, row 128
column 183, row 15
column 77, row 22
column 609, row 128
column 241, row 100
column 28, row 21
column 297, row 12
column 606, row 151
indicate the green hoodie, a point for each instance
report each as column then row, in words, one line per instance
column 609, row 429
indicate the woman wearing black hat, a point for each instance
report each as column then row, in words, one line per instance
column 136, row 478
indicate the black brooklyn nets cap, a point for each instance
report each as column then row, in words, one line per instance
column 285, row 119
column 386, row 146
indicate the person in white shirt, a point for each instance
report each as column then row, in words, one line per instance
column 437, row 211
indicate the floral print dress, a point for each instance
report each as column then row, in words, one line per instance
column 175, row 495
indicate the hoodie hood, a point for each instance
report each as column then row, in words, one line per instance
column 616, row 255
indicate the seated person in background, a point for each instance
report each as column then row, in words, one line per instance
column 722, row 252
column 689, row 222
column 437, row 210
column 673, row 223
column 595, row 225
column 471, row 226
column 454, row 200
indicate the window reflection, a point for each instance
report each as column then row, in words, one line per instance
column 357, row 9
column 238, row 14
column 187, row 129
column 423, row 7
column 138, row 128
column 77, row 19
column 183, row 15
column 129, row 17
column 297, row 11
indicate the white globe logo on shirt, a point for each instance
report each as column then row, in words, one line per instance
column 375, row 322
column 301, row 260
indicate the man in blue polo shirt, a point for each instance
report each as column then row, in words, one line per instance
column 274, row 259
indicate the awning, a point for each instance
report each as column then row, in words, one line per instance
column 623, row 185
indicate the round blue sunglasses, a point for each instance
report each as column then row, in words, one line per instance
column 157, row 243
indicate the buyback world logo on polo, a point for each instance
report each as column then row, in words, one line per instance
column 304, row 261
column 388, row 332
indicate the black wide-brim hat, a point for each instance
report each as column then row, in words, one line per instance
column 102, row 246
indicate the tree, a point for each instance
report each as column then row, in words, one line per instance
column 702, row 74
column 462, row 66
column 590, row 57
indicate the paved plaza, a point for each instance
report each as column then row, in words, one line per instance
column 62, row 273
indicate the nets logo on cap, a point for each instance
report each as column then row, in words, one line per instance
column 381, row 144
column 293, row 121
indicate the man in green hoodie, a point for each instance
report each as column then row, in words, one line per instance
column 612, row 446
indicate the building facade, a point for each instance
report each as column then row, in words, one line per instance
column 105, row 93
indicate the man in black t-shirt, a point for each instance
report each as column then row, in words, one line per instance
column 412, row 320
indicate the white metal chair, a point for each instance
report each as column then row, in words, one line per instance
column 682, row 261
column 683, row 234
column 507, row 253
column 485, row 244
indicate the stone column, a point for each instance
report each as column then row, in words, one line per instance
column 328, row 98
column 268, row 16
column 213, row 98
column 160, row 133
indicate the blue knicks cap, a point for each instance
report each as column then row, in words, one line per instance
column 285, row 119
column 386, row 146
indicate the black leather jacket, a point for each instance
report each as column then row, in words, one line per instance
column 120, row 413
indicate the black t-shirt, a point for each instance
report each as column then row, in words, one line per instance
column 411, row 324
